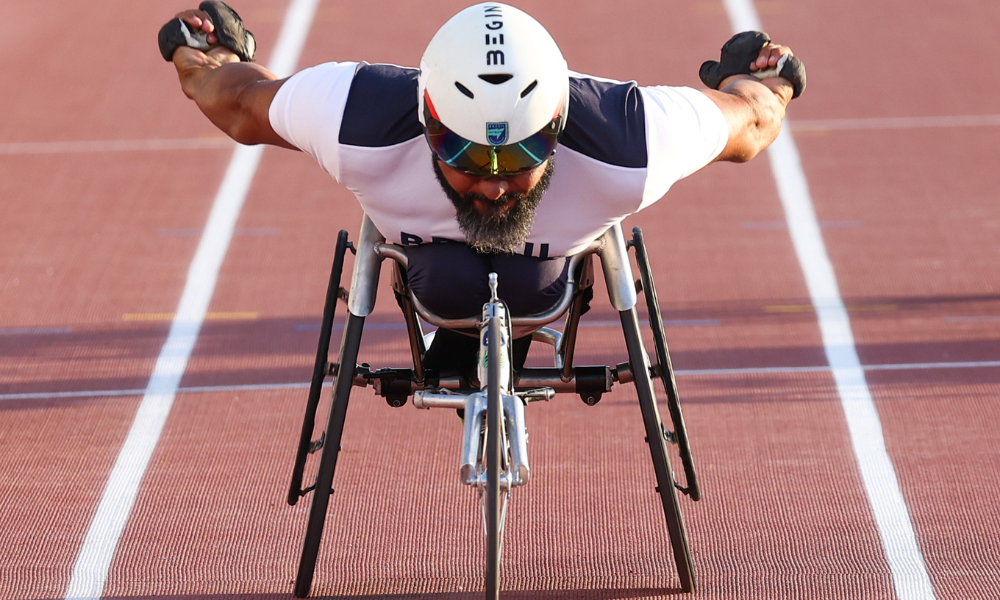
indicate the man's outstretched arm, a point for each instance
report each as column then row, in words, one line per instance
column 754, row 107
column 234, row 95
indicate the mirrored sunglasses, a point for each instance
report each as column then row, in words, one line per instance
column 491, row 161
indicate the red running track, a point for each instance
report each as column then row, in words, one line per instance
column 97, row 241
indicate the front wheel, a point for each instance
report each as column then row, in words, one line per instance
column 496, row 463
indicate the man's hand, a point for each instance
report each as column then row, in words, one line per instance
column 213, row 23
column 235, row 95
column 186, row 57
column 752, row 53
column 766, row 69
column 755, row 79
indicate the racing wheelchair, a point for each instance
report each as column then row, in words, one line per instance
column 494, row 447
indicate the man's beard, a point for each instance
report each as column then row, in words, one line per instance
column 497, row 229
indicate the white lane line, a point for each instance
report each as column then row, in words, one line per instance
column 264, row 387
column 90, row 572
column 76, row 147
column 897, row 123
column 892, row 517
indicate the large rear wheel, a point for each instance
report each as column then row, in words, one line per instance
column 347, row 359
column 655, row 437
column 664, row 367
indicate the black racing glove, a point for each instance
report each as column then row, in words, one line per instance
column 228, row 28
column 740, row 52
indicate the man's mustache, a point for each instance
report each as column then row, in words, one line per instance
column 494, row 205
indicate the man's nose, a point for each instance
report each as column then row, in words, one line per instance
column 491, row 187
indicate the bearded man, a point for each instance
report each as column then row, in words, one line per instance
column 492, row 156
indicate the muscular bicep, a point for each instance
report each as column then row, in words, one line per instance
column 241, row 107
column 235, row 96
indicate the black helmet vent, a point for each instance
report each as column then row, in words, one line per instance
column 464, row 90
column 528, row 89
column 496, row 79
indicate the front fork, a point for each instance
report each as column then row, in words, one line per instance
column 472, row 441
column 513, row 440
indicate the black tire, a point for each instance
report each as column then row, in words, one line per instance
column 319, row 370
column 665, row 367
column 658, row 450
column 494, row 445
column 347, row 358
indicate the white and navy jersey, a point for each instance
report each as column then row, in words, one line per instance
column 622, row 149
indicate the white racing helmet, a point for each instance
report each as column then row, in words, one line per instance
column 494, row 91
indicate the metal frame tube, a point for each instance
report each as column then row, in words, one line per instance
column 521, row 325
column 475, row 412
column 614, row 263
column 428, row 400
column 513, row 412
column 367, row 267
column 567, row 347
column 617, row 271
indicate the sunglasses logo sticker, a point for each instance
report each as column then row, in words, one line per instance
column 496, row 133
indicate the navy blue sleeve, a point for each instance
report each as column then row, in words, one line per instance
column 381, row 108
column 606, row 122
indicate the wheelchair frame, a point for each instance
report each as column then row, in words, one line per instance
column 590, row 382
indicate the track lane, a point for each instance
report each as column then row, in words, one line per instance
column 79, row 249
column 90, row 570
column 928, row 245
column 82, row 247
